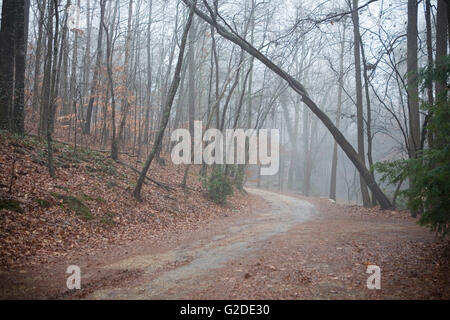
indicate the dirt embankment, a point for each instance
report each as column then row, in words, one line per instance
column 88, row 208
column 179, row 244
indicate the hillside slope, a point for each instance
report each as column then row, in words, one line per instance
column 89, row 203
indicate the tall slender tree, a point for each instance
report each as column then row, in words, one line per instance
column 98, row 62
column 334, row 160
column 359, row 100
column 413, row 91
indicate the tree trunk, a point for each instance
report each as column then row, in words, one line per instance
column 49, row 95
column 149, row 75
column 64, row 61
column 412, row 87
column 94, row 84
column 413, row 91
column 73, row 73
column 441, row 46
column 369, row 116
column 359, row 101
column 87, row 53
column 442, row 32
column 7, row 63
column 21, row 30
column 429, row 47
column 334, row 161
column 125, row 106
column 191, row 93
column 109, row 61
column 306, row 152
column 38, row 55
column 425, row 132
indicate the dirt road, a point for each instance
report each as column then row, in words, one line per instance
column 288, row 248
column 196, row 260
column 293, row 249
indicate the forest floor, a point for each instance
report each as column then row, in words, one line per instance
column 180, row 245
column 293, row 248
column 88, row 210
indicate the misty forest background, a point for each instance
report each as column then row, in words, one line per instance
column 358, row 89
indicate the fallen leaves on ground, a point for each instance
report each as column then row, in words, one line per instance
column 54, row 222
column 327, row 258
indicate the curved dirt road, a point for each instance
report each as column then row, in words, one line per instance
column 173, row 274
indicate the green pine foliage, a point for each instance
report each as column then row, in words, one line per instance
column 218, row 185
column 430, row 170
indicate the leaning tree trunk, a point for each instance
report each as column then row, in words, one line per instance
column 298, row 87
column 167, row 108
